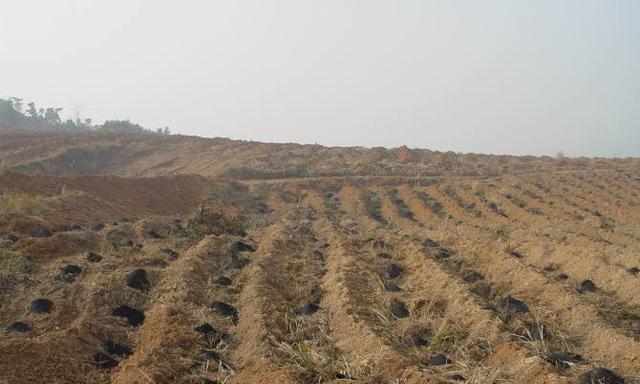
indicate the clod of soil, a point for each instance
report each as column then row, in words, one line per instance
column 380, row 244
column 223, row 280
column 443, row 254
column 97, row 227
column 516, row 254
column 117, row 349
column 42, row 233
column 307, row 309
column 225, row 309
column 104, row 361
column 68, row 273
column 41, row 306
column 172, row 253
column 134, row 317
column 564, row 360
column 483, row 289
column 534, row 332
column 439, row 359
column 391, row 287
column 415, row 340
column 601, row 376
column 71, row 269
column 93, row 257
column 394, row 271
column 212, row 335
column 430, row 243
column 205, row 329
column 317, row 255
column 153, row 234
column 18, row 327
column 473, row 277
column 238, row 262
column 514, row 305
column 634, row 271
column 137, row 279
column 239, row 246
column 587, row 286
column 159, row 263
column 176, row 226
column 207, row 355
column 399, row 309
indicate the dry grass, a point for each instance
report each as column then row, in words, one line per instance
column 212, row 219
column 547, row 334
column 14, row 267
column 453, row 315
column 307, row 346
column 15, row 262
column 21, row 203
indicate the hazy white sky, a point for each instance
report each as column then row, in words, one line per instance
column 509, row 76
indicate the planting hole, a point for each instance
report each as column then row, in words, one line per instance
column 399, row 309
column 41, row 306
column 134, row 317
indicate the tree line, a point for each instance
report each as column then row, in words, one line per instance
column 15, row 113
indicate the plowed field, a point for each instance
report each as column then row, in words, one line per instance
column 519, row 278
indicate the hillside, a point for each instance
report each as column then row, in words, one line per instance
column 61, row 153
column 174, row 259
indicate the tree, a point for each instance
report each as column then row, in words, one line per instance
column 8, row 115
column 14, row 114
column 70, row 125
column 17, row 104
column 121, row 126
column 32, row 111
column 51, row 116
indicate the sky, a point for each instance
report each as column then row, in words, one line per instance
column 508, row 77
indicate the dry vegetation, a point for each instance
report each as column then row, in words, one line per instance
column 20, row 203
column 435, row 268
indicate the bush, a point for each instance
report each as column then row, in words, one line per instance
column 120, row 126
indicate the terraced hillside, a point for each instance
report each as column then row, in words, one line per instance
column 514, row 278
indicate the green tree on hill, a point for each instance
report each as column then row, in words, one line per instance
column 14, row 115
